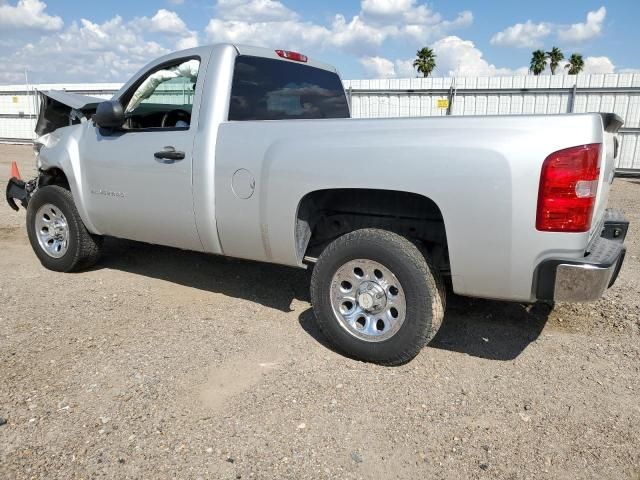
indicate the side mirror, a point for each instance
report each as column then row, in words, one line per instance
column 109, row 114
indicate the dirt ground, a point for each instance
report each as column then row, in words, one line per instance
column 161, row 363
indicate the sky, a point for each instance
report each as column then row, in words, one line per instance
column 108, row 41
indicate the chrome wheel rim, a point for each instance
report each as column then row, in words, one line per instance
column 52, row 230
column 368, row 300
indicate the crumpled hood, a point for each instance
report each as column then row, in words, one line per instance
column 74, row 100
column 60, row 109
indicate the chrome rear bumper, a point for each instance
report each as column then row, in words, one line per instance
column 586, row 279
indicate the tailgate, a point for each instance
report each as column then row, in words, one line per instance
column 610, row 125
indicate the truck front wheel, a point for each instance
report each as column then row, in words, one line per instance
column 375, row 296
column 56, row 232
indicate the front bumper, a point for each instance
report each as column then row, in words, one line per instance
column 585, row 279
column 16, row 190
column 20, row 191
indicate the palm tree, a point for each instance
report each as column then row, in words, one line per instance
column 555, row 56
column 575, row 65
column 538, row 62
column 425, row 61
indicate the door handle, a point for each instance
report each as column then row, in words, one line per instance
column 169, row 153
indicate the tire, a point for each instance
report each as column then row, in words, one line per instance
column 387, row 340
column 80, row 250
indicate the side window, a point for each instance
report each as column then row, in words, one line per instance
column 268, row 89
column 164, row 99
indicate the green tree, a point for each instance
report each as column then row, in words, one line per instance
column 555, row 56
column 538, row 62
column 576, row 64
column 425, row 61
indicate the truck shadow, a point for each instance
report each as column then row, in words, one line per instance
column 273, row 286
column 481, row 328
column 490, row 329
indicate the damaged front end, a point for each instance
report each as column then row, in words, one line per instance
column 21, row 191
column 58, row 109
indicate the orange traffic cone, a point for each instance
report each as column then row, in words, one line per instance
column 15, row 173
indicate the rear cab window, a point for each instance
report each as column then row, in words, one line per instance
column 269, row 89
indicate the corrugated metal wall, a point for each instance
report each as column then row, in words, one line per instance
column 19, row 106
column 618, row 93
column 415, row 97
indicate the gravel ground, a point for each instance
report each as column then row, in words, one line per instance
column 161, row 363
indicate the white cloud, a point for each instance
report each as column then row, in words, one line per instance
column 461, row 58
column 591, row 65
column 531, row 35
column 454, row 57
column 28, row 14
column 263, row 22
column 270, row 23
column 114, row 49
column 464, row 19
column 409, row 13
column 407, row 19
column 598, row 65
column 386, row 8
column 86, row 51
column 169, row 24
column 189, row 41
column 378, row 67
column 289, row 34
column 254, row 11
column 165, row 21
column 522, row 35
column 581, row 32
column 355, row 33
column 433, row 27
column 405, row 68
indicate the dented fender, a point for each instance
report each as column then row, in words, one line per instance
column 60, row 150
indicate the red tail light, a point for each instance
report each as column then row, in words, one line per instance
column 295, row 56
column 568, row 187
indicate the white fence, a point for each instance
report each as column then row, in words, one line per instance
column 414, row 97
column 19, row 106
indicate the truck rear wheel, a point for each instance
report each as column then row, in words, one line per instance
column 56, row 232
column 375, row 296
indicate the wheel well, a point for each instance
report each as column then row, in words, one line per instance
column 324, row 215
column 53, row 176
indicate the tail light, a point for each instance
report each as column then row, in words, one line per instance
column 568, row 187
column 295, row 56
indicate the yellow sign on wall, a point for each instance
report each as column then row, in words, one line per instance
column 14, row 99
column 443, row 103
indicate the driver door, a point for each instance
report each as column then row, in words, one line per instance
column 138, row 178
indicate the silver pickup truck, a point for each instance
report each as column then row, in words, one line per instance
column 250, row 153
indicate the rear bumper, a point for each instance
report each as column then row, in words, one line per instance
column 585, row 279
